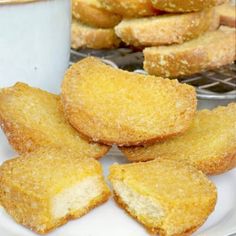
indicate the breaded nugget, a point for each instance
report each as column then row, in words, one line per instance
column 185, row 5
column 209, row 144
column 130, row 8
column 46, row 188
column 32, row 118
column 112, row 106
column 227, row 13
column 84, row 36
column 164, row 29
column 211, row 50
column 90, row 12
column 169, row 198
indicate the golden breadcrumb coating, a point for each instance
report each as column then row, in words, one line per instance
column 209, row 144
column 118, row 107
column 84, row 36
column 211, row 50
column 167, row 197
column 44, row 189
column 165, row 29
column 32, row 118
column 91, row 13
column 130, row 8
column 227, row 13
column 185, row 5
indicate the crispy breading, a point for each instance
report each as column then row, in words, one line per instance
column 84, row 36
column 209, row 51
column 209, row 144
column 46, row 188
column 130, row 8
column 165, row 29
column 185, row 5
column 113, row 106
column 168, row 197
column 227, row 13
column 33, row 118
column 91, row 13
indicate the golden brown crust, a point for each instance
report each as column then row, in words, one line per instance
column 165, row 29
column 130, row 8
column 118, row 122
column 201, row 145
column 212, row 50
column 42, row 124
column 185, row 5
column 93, row 14
column 84, row 36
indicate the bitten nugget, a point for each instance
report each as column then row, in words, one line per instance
column 164, row 29
column 169, row 198
column 32, row 118
column 227, row 13
column 84, row 36
column 44, row 189
column 90, row 12
column 209, row 144
column 209, row 51
column 130, row 8
column 185, row 5
column 112, row 106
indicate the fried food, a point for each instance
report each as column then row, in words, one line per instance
column 32, row 118
column 44, row 189
column 227, row 13
column 112, row 106
column 209, row 144
column 130, row 8
column 185, row 5
column 84, row 36
column 169, row 198
column 164, row 29
column 209, row 51
column 90, row 12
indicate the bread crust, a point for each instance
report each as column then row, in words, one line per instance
column 84, row 36
column 23, row 133
column 93, row 14
column 165, row 29
column 185, row 5
column 208, row 160
column 130, row 8
column 212, row 50
column 96, row 123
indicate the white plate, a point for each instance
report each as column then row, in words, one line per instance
column 110, row 220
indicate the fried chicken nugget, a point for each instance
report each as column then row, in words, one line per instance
column 112, row 106
column 43, row 190
column 90, row 12
column 169, row 198
column 32, row 118
column 209, row 144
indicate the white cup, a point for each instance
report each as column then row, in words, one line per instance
column 34, row 42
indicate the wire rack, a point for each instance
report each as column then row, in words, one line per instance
column 218, row 84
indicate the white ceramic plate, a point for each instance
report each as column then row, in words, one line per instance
column 110, row 220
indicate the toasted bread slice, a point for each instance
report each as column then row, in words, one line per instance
column 118, row 107
column 227, row 14
column 209, row 144
column 44, row 189
column 169, row 198
column 164, row 29
column 32, row 118
column 90, row 12
column 84, row 36
column 130, row 8
column 211, row 50
column 185, row 5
